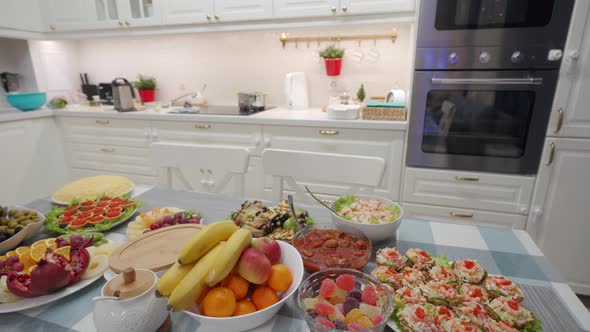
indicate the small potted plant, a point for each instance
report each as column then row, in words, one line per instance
column 146, row 85
column 333, row 60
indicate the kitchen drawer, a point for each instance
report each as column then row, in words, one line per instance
column 469, row 190
column 386, row 144
column 117, row 132
column 78, row 173
column 111, row 158
column 249, row 136
column 464, row 216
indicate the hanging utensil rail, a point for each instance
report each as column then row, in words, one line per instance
column 285, row 38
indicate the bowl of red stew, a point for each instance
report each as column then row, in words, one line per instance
column 322, row 248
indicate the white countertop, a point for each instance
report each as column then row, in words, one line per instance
column 278, row 116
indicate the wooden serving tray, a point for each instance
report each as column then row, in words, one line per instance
column 156, row 250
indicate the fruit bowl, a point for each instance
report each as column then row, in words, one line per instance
column 311, row 288
column 375, row 232
column 289, row 257
column 349, row 256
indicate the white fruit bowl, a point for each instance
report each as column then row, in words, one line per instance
column 290, row 257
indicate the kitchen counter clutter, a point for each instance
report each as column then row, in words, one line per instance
column 500, row 251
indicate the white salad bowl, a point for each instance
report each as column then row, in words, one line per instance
column 374, row 232
column 289, row 257
column 26, row 233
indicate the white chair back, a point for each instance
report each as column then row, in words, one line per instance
column 218, row 164
column 357, row 172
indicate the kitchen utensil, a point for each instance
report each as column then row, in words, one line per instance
column 296, row 91
column 289, row 257
column 105, row 92
column 123, row 95
column 396, row 96
column 320, row 201
column 128, row 303
column 140, row 253
column 27, row 101
column 293, row 212
column 9, row 82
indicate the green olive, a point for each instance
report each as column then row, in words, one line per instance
column 12, row 224
column 10, row 231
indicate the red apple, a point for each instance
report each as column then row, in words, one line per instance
column 269, row 247
column 254, row 266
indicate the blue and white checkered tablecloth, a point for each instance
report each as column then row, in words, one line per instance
column 501, row 251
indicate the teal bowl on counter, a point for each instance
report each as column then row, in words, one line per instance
column 27, row 101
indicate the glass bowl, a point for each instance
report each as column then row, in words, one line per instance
column 310, row 287
column 313, row 263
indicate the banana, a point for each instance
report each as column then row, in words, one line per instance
column 193, row 284
column 206, row 239
column 238, row 242
column 171, row 278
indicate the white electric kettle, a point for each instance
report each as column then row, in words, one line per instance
column 296, row 91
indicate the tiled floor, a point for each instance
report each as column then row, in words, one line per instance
column 585, row 300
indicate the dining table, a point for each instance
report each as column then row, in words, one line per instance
column 503, row 251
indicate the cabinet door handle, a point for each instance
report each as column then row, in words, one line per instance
column 120, row 23
column 328, row 132
column 559, row 120
column 103, row 122
column 333, row 9
column 127, row 23
column 551, row 154
column 208, row 17
column 467, row 178
column 52, row 28
column 217, row 17
column 107, row 150
column 461, row 215
column 202, row 126
column 344, row 9
column 327, row 201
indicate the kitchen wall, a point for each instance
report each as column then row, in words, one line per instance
column 15, row 58
column 249, row 61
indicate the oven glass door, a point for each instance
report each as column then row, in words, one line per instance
column 482, row 121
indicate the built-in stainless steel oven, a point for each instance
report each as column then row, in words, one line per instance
column 484, row 80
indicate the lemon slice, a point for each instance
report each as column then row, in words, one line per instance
column 38, row 252
column 50, row 242
column 3, row 258
column 22, row 250
column 26, row 260
column 11, row 253
column 39, row 243
column 64, row 251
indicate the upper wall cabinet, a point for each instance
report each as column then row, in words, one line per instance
column 66, row 15
column 187, row 11
column 21, row 15
column 242, row 10
column 359, row 7
column 125, row 13
column 305, row 8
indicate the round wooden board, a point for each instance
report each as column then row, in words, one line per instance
column 156, row 250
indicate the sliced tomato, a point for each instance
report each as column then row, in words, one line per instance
column 96, row 219
column 513, row 304
column 67, row 220
column 78, row 223
column 72, row 208
column 115, row 210
column 105, row 198
column 127, row 204
column 68, row 213
column 468, row 264
column 87, row 203
column 420, row 313
column 114, row 204
column 98, row 211
column 117, row 199
column 102, row 204
column 84, row 215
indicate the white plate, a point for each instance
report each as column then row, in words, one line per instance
column 66, row 204
column 28, row 303
column 26, row 233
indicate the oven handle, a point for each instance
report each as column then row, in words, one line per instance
column 488, row 81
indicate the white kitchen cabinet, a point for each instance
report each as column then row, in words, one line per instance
column 386, row 144
column 559, row 213
column 359, row 7
column 67, row 15
column 242, row 10
column 305, row 8
column 469, row 190
column 137, row 13
column 464, row 216
column 24, row 15
column 105, row 14
column 30, row 149
column 571, row 115
column 187, row 11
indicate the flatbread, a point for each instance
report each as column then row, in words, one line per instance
column 93, row 187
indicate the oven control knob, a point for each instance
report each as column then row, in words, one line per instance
column 453, row 58
column 485, row 57
column 517, row 57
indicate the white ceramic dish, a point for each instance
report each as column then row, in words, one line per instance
column 28, row 303
column 290, row 257
column 375, row 232
column 343, row 112
column 61, row 203
column 26, row 233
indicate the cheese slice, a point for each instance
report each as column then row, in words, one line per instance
column 93, row 187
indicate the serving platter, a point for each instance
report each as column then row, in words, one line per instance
column 105, row 182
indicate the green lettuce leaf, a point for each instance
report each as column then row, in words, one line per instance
column 344, row 201
column 536, row 327
column 442, row 261
column 395, row 210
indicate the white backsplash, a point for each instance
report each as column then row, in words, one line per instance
column 247, row 61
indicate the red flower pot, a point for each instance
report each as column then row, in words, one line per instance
column 147, row 96
column 333, row 66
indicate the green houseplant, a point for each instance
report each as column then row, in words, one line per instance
column 146, row 85
column 333, row 60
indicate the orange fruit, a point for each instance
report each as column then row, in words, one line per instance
column 38, row 252
column 22, row 250
column 237, row 284
column 244, row 307
column 50, row 242
column 26, row 260
column 280, row 278
column 264, row 297
column 30, row 269
column 64, row 251
column 219, row 302
column 3, row 258
column 11, row 253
